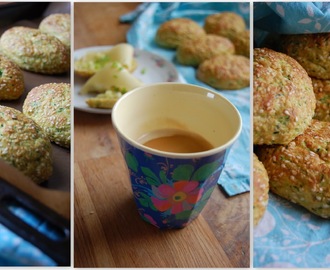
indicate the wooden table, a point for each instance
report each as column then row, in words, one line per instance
column 108, row 231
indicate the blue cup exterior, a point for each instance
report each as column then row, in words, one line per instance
column 171, row 192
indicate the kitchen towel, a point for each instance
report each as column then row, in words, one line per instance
column 290, row 18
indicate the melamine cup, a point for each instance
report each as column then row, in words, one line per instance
column 171, row 189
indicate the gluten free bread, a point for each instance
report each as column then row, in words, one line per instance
column 225, row 71
column 322, row 95
column 312, row 51
column 58, row 25
column 283, row 98
column 300, row 170
column 192, row 53
column 174, row 32
column 225, row 24
column 49, row 105
column 94, row 61
column 260, row 190
column 24, row 145
column 35, row 51
column 11, row 80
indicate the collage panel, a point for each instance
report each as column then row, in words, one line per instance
column 161, row 109
column 291, row 113
column 139, row 200
column 35, row 127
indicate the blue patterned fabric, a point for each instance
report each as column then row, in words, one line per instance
column 145, row 21
column 292, row 18
column 289, row 236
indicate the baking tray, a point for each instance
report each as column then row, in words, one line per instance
column 30, row 15
column 60, row 179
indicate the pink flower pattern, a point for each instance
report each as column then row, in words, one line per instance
column 178, row 197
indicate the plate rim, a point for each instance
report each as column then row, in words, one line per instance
column 81, row 51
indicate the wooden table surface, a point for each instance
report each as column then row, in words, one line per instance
column 108, row 231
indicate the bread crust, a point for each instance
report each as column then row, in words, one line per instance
column 192, row 53
column 11, row 80
column 260, row 190
column 174, row 32
column 25, row 145
column 312, row 51
column 300, row 171
column 35, row 51
column 58, row 25
column 322, row 95
column 225, row 24
column 49, row 105
column 283, row 98
column 226, row 72
column 242, row 43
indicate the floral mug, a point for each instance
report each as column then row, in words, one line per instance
column 171, row 189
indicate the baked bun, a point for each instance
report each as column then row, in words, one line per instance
column 322, row 95
column 93, row 61
column 242, row 43
column 104, row 100
column 283, row 98
column 24, row 145
column 192, row 53
column 225, row 24
column 58, row 25
column 49, row 105
column 35, row 51
column 172, row 33
column 260, row 190
column 225, row 71
column 300, row 171
column 11, row 80
column 312, row 51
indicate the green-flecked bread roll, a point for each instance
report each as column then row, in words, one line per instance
column 283, row 98
column 312, row 51
column 58, row 25
column 260, row 190
column 35, row 51
column 24, row 145
column 11, row 80
column 49, row 105
column 225, row 71
column 300, row 171
column 174, row 32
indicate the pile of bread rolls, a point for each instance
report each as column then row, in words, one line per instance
column 26, row 136
column 291, row 122
column 219, row 49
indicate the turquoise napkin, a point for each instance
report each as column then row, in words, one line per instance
column 289, row 236
column 145, row 20
column 290, row 18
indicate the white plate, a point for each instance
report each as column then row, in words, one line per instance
column 151, row 68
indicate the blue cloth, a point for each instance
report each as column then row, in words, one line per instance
column 145, row 20
column 289, row 235
column 290, row 18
